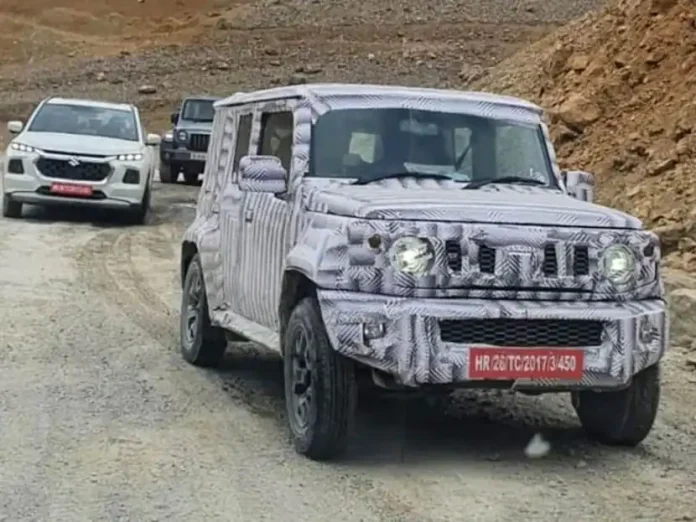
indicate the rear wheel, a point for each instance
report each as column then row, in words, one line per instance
column 320, row 388
column 621, row 418
column 201, row 343
column 11, row 209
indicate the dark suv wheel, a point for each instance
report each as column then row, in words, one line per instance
column 320, row 388
column 621, row 418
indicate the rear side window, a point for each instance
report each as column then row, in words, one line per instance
column 241, row 148
column 276, row 136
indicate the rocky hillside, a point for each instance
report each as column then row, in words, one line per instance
column 620, row 86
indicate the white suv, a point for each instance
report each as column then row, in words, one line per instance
column 80, row 152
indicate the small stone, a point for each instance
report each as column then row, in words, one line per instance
column 147, row 89
column 222, row 66
column 371, row 56
column 577, row 112
column 578, row 62
column 662, row 167
column 101, row 77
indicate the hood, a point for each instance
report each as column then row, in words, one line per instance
column 78, row 143
column 194, row 126
column 445, row 201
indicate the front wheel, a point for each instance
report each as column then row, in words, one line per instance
column 138, row 215
column 201, row 343
column 168, row 172
column 320, row 388
column 11, row 209
column 190, row 177
column 621, row 418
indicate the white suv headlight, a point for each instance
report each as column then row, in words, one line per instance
column 21, row 147
column 412, row 255
column 129, row 157
column 619, row 264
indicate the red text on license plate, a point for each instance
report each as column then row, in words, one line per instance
column 525, row 363
column 67, row 189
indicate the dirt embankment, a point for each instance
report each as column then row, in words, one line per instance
column 620, row 85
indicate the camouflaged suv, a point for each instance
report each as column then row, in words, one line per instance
column 426, row 237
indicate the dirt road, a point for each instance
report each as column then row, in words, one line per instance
column 101, row 420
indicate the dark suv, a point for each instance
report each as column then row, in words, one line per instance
column 185, row 147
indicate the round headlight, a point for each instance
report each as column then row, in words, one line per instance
column 619, row 264
column 412, row 255
column 181, row 136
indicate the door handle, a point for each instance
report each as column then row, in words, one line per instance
column 249, row 216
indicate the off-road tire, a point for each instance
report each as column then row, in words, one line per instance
column 11, row 209
column 190, row 177
column 168, row 172
column 621, row 418
column 138, row 215
column 206, row 347
column 325, row 435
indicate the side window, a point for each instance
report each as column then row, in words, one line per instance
column 276, row 136
column 241, row 147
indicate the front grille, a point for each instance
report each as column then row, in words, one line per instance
column 83, row 171
column 550, row 266
column 486, row 259
column 453, row 252
column 199, row 142
column 522, row 332
column 65, row 153
column 581, row 260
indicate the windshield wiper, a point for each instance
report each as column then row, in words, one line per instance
column 395, row 175
column 506, row 179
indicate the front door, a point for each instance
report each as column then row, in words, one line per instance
column 265, row 224
column 231, row 202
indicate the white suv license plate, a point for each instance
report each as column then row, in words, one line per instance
column 199, row 156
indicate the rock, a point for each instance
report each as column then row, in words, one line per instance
column 222, row 66
column 662, row 166
column 577, row 112
column 578, row 62
column 147, row 89
column 309, row 69
column 538, row 447
column 101, row 77
column 223, row 25
column 371, row 57
column 270, row 51
column 297, row 79
column 669, row 236
column 557, row 62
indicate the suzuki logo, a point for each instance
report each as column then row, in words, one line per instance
column 73, row 162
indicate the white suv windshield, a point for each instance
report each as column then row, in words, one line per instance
column 85, row 120
column 362, row 143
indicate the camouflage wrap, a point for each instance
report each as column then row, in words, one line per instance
column 248, row 239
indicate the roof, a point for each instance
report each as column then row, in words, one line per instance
column 204, row 97
column 91, row 103
column 323, row 90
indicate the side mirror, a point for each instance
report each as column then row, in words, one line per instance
column 579, row 184
column 152, row 140
column 15, row 127
column 262, row 174
column 174, row 118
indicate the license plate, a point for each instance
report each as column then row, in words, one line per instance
column 525, row 363
column 199, row 156
column 67, row 189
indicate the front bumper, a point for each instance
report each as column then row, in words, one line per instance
column 635, row 336
column 33, row 187
column 169, row 154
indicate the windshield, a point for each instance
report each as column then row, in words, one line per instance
column 371, row 143
column 85, row 120
column 198, row 110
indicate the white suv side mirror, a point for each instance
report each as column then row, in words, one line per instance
column 15, row 127
column 152, row 140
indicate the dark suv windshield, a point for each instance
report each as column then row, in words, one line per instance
column 198, row 110
column 365, row 143
column 87, row 120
